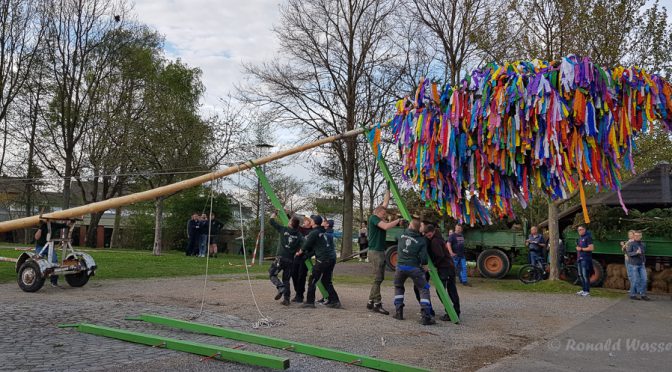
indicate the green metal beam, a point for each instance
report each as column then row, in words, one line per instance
column 210, row 351
column 285, row 220
column 433, row 273
column 297, row 347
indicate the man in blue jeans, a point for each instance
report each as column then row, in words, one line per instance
column 535, row 244
column 636, row 265
column 455, row 246
column 41, row 248
column 584, row 258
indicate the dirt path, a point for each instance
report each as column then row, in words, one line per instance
column 494, row 324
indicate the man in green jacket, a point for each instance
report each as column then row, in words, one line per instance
column 412, row 263
column 289, row 243
column 325, row 260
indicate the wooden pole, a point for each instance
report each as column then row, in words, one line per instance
column 172, row 188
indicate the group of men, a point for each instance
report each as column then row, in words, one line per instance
column 298, row 243
column 419, row 242
column 199, row 228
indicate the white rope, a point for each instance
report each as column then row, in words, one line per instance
column 263, row 321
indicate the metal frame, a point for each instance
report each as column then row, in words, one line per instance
column 207, row 350
column 284, row 219
column 433, row 274
column 297, row 347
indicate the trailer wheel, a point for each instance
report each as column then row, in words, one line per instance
column 493, row 263
column 598, row 274
column 391, row 258
column 29, row 277
column 77, row 280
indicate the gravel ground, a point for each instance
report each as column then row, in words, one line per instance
column 494, row 325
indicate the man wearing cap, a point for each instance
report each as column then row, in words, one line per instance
column 317, row 244
column 377, row 230
column 290, row 241
column 412, row 263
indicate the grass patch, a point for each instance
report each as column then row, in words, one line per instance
column 134, row 264
column 544, row 286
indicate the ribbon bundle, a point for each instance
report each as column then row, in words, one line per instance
column 475, row 147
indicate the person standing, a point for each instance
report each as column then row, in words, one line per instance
column 202, row 235
column 289, row 243
column 455, row 246
column 214, row 229
column 299, row 269
column 412, row 263
column 445, row 266
column 377, row 230
column 363, row 242
column 584, row 253
column 316, row 244
column 41, row 238
column 192, row 235
column 535, row 245
column 636, row 265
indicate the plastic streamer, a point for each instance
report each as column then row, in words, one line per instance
column 474, row 148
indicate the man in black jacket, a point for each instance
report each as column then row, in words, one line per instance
column 325, row 260
column 299, row 269
column 289, row 243
column 192, row 235
column 444, row 265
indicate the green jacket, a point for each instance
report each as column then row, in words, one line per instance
column 411, row 249
column 290, row 240
column 316, row 244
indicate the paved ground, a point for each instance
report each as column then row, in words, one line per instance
column 628, row 336
column 494, row 325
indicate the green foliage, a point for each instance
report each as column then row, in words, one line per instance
column 606, row 221
column 177, row 211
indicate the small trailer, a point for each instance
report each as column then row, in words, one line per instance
column 32, row 269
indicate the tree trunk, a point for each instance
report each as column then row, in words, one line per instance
column 348, row 196
column 92, row 232
column 553, row 239
column 66, row 181
column 115, row 231
column 4, row 145
column 158, row 210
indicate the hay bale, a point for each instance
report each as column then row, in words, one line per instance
column 665, row 275
column 624, row 272
column 660, row 286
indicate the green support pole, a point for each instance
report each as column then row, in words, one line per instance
column 283, row 217
column 210, row 351
column 297, row 347
column 433, row 274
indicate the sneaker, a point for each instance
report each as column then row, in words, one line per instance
column 585, row 294
column 55, row 285
column 580, row 293
column 297, row 299
column 378, row 308
column 634, row 298
column 466, row 284
column 426, row 320
column 369, row 305
column 321, row 301
column 646, row 298
column 445, row 318
column 399, row 314
column 285, row 302
column 334, row 305
column 281, row 291
column 308, row 305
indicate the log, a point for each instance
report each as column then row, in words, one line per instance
column 172, row 188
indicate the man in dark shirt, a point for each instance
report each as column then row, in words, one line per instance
column 412, row 263
column 636, row 265
column 299, row 269
column 377, row 231
column 192, row 234
column 289, row 243
column 535, row 245
column 584, row 252
column 41, row 247
column 316, row 244
column 456, row 249
column 444, row 265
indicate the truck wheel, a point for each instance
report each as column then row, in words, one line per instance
column 30, row 277
column 77, row 280
column 493, row 263
column 391, row 258
column 598, row 274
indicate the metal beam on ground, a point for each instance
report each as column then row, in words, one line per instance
column 433, row 273
column 297, row 347
column 210, row 351
column 285, row 220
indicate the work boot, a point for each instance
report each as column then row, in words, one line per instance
column 278, row 295
column 369, row 305
column 378, row 308
column 334, row 305
column 427, row 320
column 321, row 301
column 285, row 302
column 445, row 318
column 308, row 305
column 298, row 299
column 399, row 314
